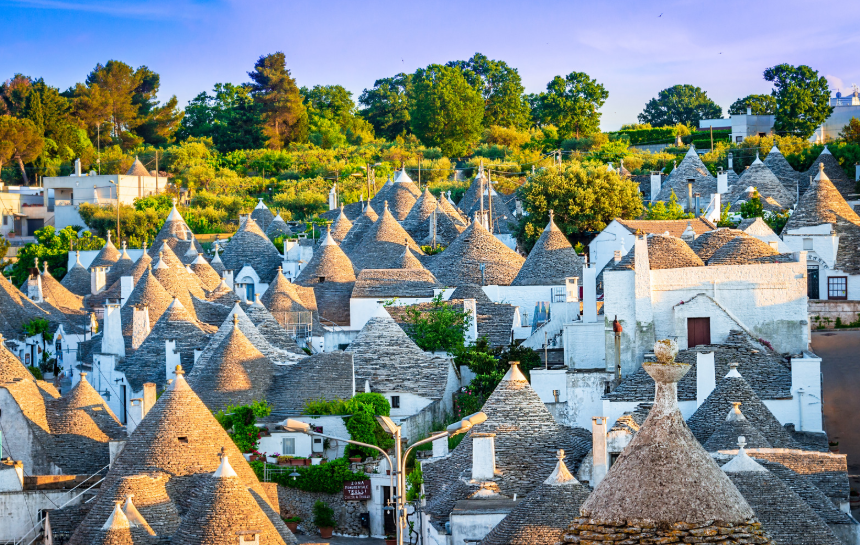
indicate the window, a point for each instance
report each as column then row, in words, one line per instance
column 739, row 139
column 837, row 287
column 395, row 402
column 288, row 446
column 807, row 244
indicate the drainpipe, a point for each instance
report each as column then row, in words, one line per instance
column 800, row 409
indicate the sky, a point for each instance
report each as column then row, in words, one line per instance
column 634, row 49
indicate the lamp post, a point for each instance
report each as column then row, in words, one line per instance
column 116, row 185
column 398, row 471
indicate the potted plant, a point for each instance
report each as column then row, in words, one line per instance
column 355, row 459
column 297, row 461
column 293, row 523
column 258, row 456
column 316, row 459
column 390, row 539
column 834, row 446
column 324, row 519
column 11, row 234
column 284, row 460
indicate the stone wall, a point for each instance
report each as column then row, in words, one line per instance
column 294, row 502
column 592, row 532
column 823, row 313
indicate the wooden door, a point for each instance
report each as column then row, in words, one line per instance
column 698, row 331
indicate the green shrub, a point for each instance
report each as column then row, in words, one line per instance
column 327, row 478
column 240, row 420
column 323, row 515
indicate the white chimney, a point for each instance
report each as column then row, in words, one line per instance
column 483, row 456
column 34, row 288
column 440, row 447
column 112, row 341
column 332, row 197
column 148, row 396
column 228, row 278
column 774, row 244
column 705, row 376
column 656, row 183
column 589, row 294
column 616, row 256
column 572, row 285
column 722, row 182
column 749, row 110
column 97, row 280
column 139, row 326
column 730, row 158
column 126, row 285
column 599, row 453
column 135, row 415
column 171, row 357
column 78, row 167
column 471, row 306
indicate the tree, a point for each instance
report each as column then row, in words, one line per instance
column 679, row 104
column 851, row 131
column 667, row 210
column 441, row 327
column 285, row 118
column 584, row 198
column 571, row 103
column 108, row 97
column 52, row 247
column 386, row 106
column 160, row 121
column 501, row 88
column 802, row 99
column 229, row 116
column 20, row 140
column 332, row 117
column 753, row 208
column 759, row 104
column 446, row 111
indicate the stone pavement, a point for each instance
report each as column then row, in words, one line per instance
column 339, row 540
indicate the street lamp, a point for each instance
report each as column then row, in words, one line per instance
column 398, row 471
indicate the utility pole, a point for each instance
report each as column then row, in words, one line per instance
column 99, row 144
column 712, row 138
column 368, row 181
column 489, row 198
column 156, row 172
column 419, row 171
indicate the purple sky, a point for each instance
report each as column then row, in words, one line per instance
column 634, row 52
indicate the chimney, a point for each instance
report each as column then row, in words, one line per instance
column 705, row 376
column 483, row 456
column 690, row 194
column 730, row 158
column 689, row 235
column 97, row 280
column 148, row 396
column 114, row 448
column 774, row 244
column 599, row 454
column 78, row 167
column 589, row 294
column 135, row 415
column 749, row 110
column 126, row 285
column 656, row 184
column 471, row 306
column 722, row 182
column 112, row 341
column 572, row 285
column 171, row 357
column 617, row 256
column 34, row 287
column 440, row 447
column 228, row 278
column 139, row 325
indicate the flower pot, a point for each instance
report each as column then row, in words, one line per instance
column 295, row 462
column 283, row 462
column 834, row 449
column 355, row 460
column 390, row 541
column 306, row 462
column 293, row 526
column 325, row 533
column 247, row 456
column 316, row 461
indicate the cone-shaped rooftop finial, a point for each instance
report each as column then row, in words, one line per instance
column 560, row 474
column 117, row 519
column 742, row 461
column 733, row 370
column 224, row 470
column 235, row 322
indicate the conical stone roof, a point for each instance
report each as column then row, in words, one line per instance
column 359, row 228
column 823, row 203
column 774, row 196
column 16, row 309
column 780, row 167
column 328, row 262
column 725, row 437
column 226, row 511
column 381, row 195
column 664, row 476
column 418, row 215
column 147, row 363
column 121, row 268
column 262, row 215
column 137, row 169
column 733, row 389
column 542, row 517
column 340, row 227
column 551, row 260
column 83, row 412
column 691, row 167
column 473, row 193
column 179, row 437
column 278, row 228
column 834, row 173
column 448, row 207
column 400, row 201
column 283, row 296
column 147, row 292
column 175, row 233
column 708, row 243
column 57, row 294
column 107, row 256
column 250, row 246
column 401, row 177
column 744, row 251
column 177, row 280
column 10, row 366
column 204, row 271
column 526, row 441
column 461, row 261
column 408, row 260
column 382, row 246
column 78, row 279
column 447, row 229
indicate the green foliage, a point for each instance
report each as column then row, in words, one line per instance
column 38, row 326
column 579, row 248
column 285, row 118
column 440, row 327
column 229, row 117
column 21, row 140
column 760, row 105
column 585, row 197
column 802, row 99
column 753, row 207
column 53, row 247
column 239, row 422
column 725, row 221
column 500, row 87
column 777, row 220
column 666, row 210
column 851, row 132
column 323, row 515
column 37, row 373
column 684, row 104
column 375, row 403
column 414, row 480
column 571, row 103
column 386, row 106
column 489, row 366
column 446, row 111
column 363, row 427
column 327, row 478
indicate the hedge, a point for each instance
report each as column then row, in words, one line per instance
column 328, row 477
